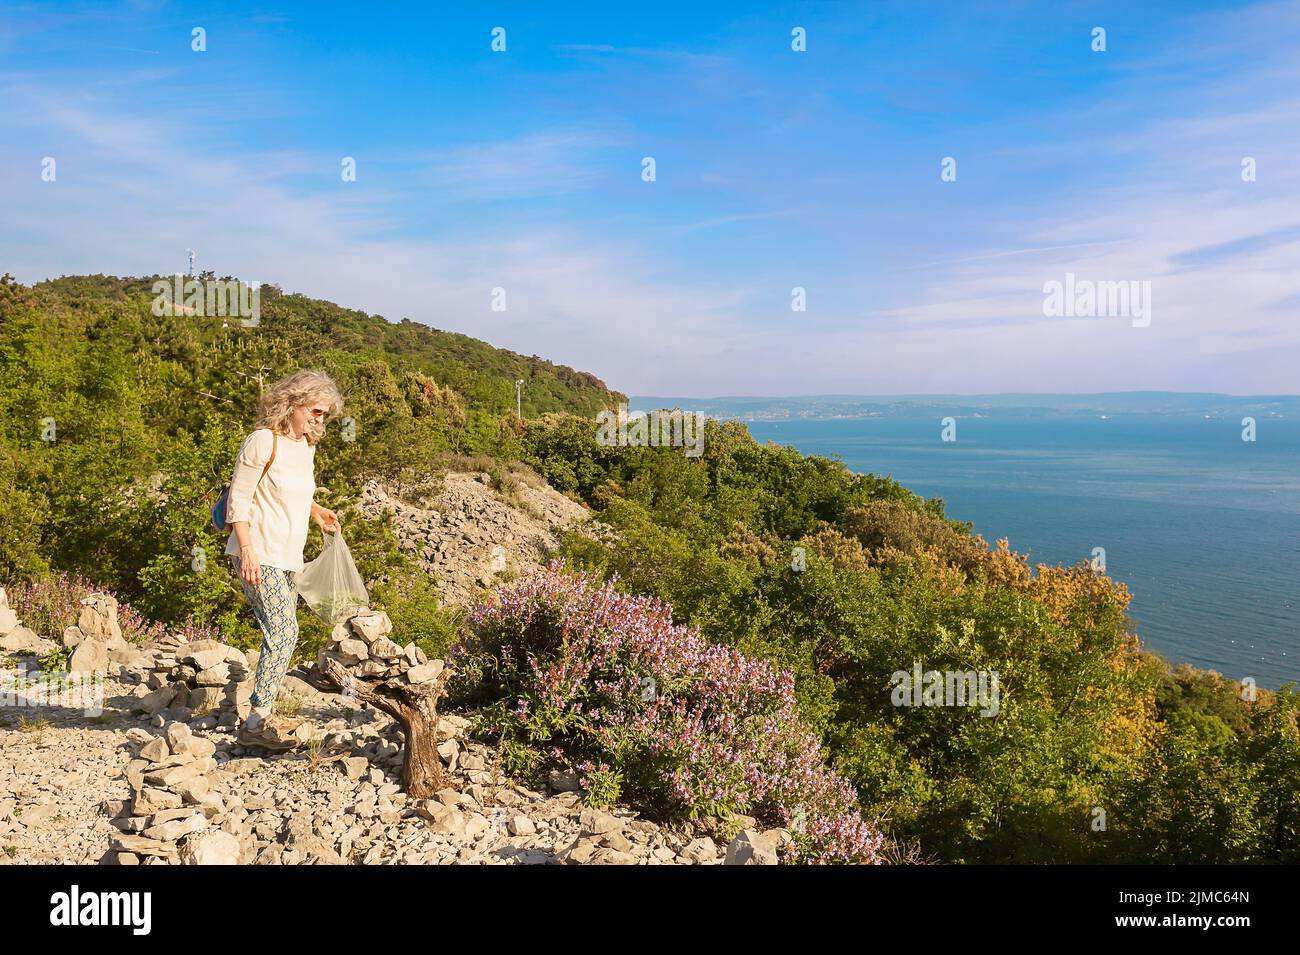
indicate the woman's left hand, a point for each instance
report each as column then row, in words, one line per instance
column 326, row 519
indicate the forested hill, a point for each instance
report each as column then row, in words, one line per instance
column 303, row 331
column 99, row 395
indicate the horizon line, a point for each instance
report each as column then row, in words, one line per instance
column 977, row 394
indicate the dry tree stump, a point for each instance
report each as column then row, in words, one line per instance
column 414, row 706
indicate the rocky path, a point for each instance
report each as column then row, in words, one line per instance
column 56, row 769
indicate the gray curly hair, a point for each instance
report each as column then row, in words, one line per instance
column 304, row 387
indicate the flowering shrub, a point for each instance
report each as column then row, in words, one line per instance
column 49, row 605
column 652, row 712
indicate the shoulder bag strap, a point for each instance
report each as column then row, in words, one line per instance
column 275, row 440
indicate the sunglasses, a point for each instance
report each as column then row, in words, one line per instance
column 319, row 412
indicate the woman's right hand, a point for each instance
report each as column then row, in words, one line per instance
column 250, row 568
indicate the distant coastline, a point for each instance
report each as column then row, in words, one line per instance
column 855, row 407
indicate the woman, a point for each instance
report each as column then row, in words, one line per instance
column 268, row 510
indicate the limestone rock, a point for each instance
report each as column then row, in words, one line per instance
column 110, row 807
column 452, row 536
column 300, row 688
column 173, row 829
column 221, row 651
column 37, row 815
column 155, row 750
column 700, row 851
column 24, row 642
column 178, row 736
column 354, row 767
column 218, row 675
column 385, row 649
column 199, row 747
column 563, row 782
column 204, row 698
column 210, row 847
column 424, row 672
column 142, row 845
column 370, row 625
column 580, row 851
column 173, row 775
column 443, row 818
column 167, row 815
column 598, row 822
column 128, row 656
column 353, row 651
column 752, row 848
column 449, row 750
column 156, row 700
column 98, row 618
column 204, row 659
column 612, row 857
column 90, row 656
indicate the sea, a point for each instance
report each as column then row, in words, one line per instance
column 1203, row 526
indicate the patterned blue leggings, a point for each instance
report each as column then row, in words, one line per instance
column 275, row 606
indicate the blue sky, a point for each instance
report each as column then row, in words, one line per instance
column 775, row 169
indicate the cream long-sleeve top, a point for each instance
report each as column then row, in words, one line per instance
column 278, row 507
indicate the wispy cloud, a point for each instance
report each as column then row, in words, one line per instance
column 1238, row 248
column 1006, row 253
column 593, row 50
column 539, row 163
column 738, row 217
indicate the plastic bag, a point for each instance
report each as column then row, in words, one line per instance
column 330, row 585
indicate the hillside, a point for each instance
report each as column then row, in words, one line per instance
column 469, row 535
column 93, row 384
column 305, row 330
